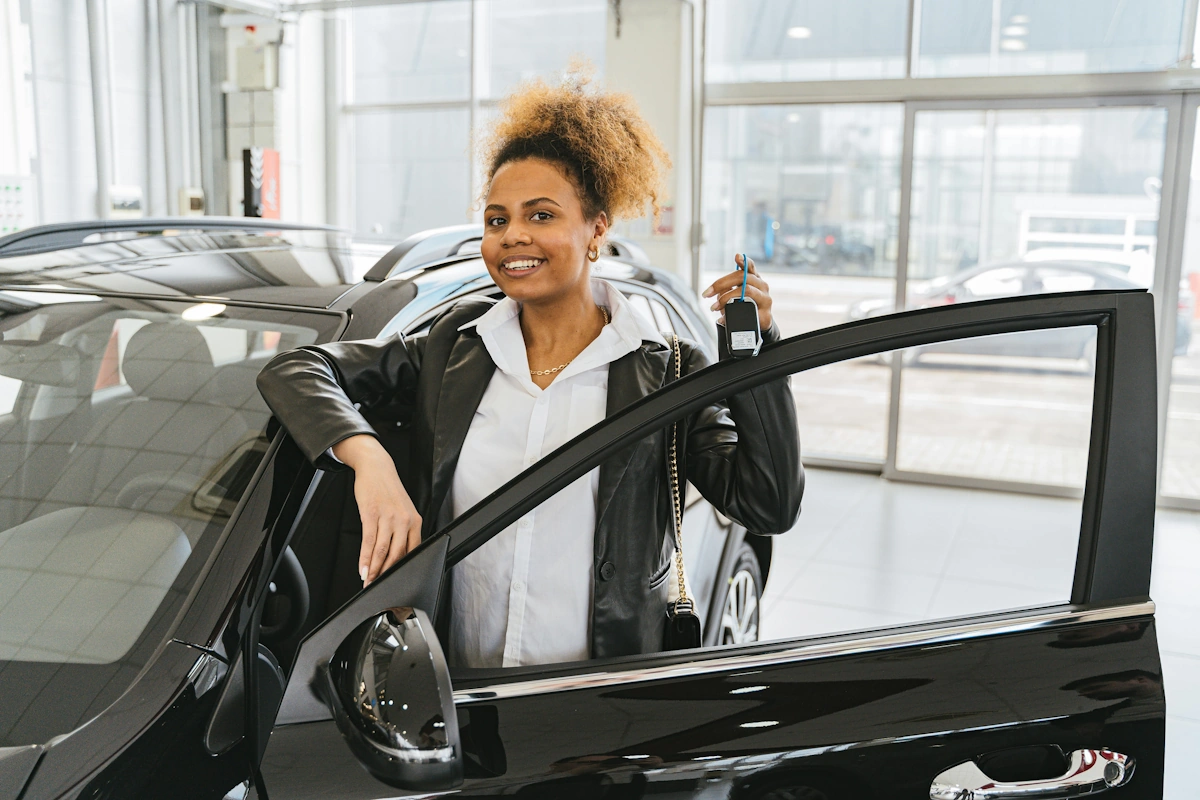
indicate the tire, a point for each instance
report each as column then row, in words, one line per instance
column 743, row 599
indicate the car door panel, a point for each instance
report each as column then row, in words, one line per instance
column 876, row 723
column 858, row 714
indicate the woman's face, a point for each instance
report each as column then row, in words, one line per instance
column 536, row 237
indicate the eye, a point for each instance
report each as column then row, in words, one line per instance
column 542, row 216
column 495, row 222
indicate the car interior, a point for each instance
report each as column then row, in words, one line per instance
column 132, row 434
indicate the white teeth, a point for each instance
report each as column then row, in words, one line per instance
column 522, row 265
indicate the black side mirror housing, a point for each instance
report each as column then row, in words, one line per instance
column 389, row 689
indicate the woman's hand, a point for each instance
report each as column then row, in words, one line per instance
column 728, row 287
column 391, row 525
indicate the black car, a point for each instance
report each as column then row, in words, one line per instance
column 179, row 614
column 1019, row 278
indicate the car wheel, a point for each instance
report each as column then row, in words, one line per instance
column 739, row 617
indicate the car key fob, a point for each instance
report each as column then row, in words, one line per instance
column 743, row 335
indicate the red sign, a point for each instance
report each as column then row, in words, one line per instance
column 260, row 173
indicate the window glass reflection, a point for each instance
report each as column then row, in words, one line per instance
column 411, row 52
column 796, row 40
column 412, row 171
column 1034, row 37
column 1181, row 451
column 550, row 34
column 812, row 194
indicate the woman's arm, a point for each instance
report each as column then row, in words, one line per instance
column 745, row 457
column 316, row 393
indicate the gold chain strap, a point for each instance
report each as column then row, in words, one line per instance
column 675, row 498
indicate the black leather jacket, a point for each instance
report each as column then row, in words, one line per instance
column 744, row 457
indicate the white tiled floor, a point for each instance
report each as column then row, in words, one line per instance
column 870, row 553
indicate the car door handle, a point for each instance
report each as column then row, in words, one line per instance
column 1089, row 771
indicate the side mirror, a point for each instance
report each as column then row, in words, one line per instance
column 388, row 687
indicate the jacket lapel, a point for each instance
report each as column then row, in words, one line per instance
column 468, row 371
column 630, row 378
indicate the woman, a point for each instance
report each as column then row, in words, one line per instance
column 493, row 387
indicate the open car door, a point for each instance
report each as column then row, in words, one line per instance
column 1051, row 700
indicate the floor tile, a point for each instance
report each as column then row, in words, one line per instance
column 792, row 618
column 1182, row 688
column 1183, row 740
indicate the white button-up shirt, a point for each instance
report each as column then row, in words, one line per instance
column 525, row 597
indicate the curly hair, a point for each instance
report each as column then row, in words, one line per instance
column 598, row 137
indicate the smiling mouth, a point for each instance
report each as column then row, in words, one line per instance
column 522, row 264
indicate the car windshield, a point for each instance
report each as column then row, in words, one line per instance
column 129, row 430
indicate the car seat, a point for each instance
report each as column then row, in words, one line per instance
column 151, row 451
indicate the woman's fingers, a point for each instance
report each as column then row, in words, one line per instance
column 756, row 289
column 390, row 522
column 370, row 528
column 734, row 280
column 383, row 546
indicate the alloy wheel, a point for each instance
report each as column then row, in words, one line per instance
column 739, row 620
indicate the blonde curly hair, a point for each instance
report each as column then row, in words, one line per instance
column 598, row 138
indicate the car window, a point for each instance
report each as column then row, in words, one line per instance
column 137, row 431
column 992, row 414
column 662, row 319
column 642, row 305
column 1002, row 282
column 9, row 387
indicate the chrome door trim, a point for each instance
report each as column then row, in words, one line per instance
column 1034, row 620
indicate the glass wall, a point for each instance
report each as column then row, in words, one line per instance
column 1181, row 452
column 796, row 40
column 800, row 40
column 1036, row 37
column 1010, row 202
column 992, row 187
column 410, row 96
column 811, row 193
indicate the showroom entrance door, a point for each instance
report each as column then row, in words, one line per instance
column 1064, row 695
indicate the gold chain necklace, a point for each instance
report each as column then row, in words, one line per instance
column 562, row 366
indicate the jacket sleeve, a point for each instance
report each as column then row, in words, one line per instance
column 744, row 457
column 316, row 392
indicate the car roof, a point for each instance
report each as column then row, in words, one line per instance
column 1091, row 267
column 301, row 266
column 250, row 261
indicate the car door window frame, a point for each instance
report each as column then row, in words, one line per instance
column 1115, row 542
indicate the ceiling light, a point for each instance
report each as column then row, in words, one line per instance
column 793, row 117
column 799, row 32
column 747, row 689
column 766, row 723
column 1015, row 30
column 1012, row 44
column 1019, row 19
column 202, row 311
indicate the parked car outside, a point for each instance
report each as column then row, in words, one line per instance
column 1023, row 278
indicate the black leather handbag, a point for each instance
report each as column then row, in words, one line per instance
column 683, row 625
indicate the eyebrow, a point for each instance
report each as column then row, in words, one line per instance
column 526, row 204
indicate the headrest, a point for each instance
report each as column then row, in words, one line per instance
column 168, row 362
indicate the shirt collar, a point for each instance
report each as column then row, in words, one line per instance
column 500, row 329
column 631, row 326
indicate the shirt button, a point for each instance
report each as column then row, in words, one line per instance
column 608, row 571
column 531, row 460
column 525, row 524
column 518, row 586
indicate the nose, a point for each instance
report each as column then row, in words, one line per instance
column 516, row 234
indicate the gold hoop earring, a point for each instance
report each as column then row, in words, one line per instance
column 593, row 255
